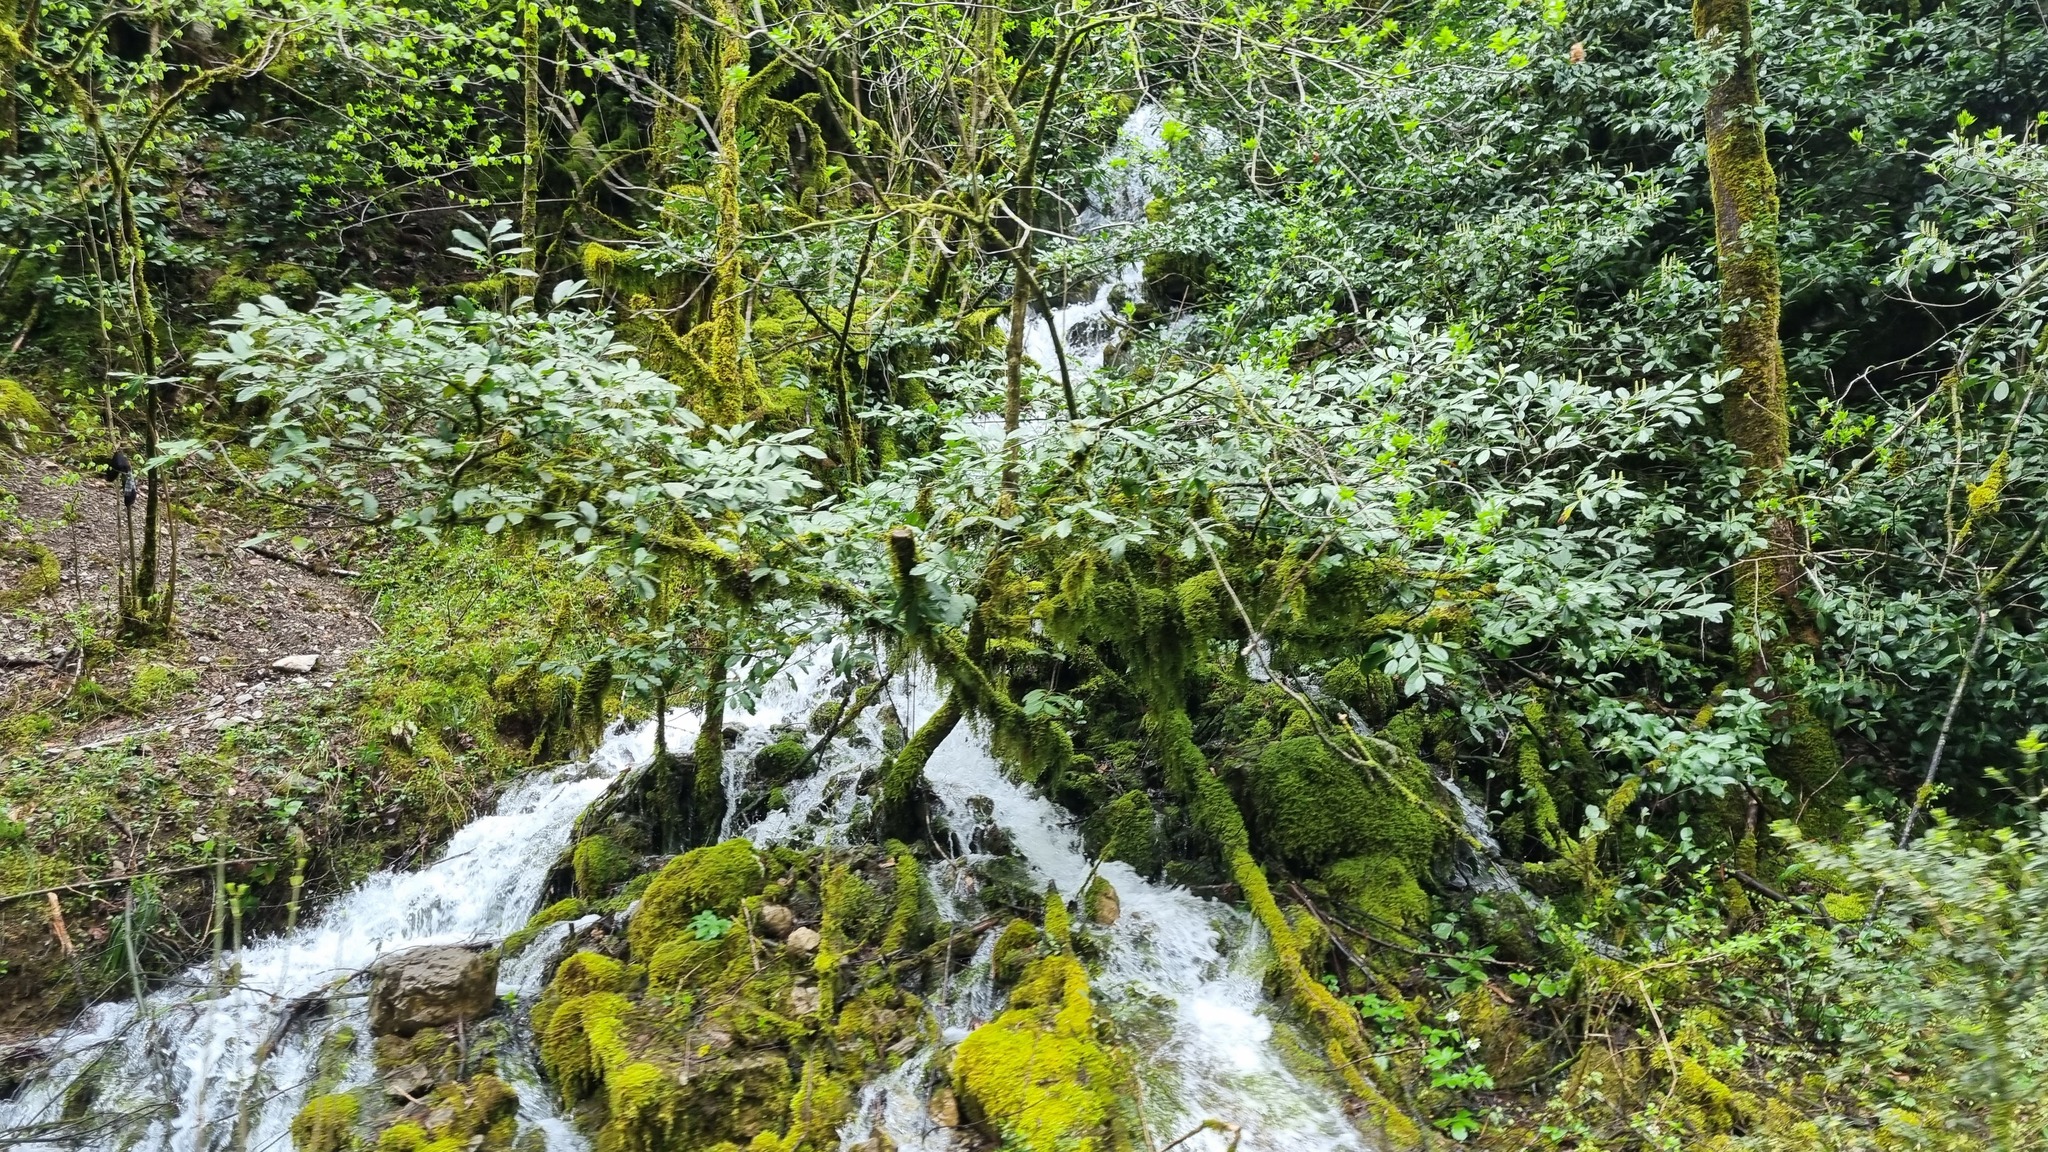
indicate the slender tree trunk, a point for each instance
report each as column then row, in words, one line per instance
column 729, row 397
column 707, row 793
column 1754, row 412
column 529, row 177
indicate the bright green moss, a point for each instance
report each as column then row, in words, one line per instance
column 556, row 913
column 20, row 413
column 646, row 1106
column 1313, row 808
column 404, row 1136
column 911, row 920
column 1059, row 926
column 684, row 962
column 779, row 762
column 599, row 863
column 579, row 975
column 584, row 1041
column 715, row 878
column 1038, row 1076
column 327, row 1124
column 1383, row 889
column 1016, row 947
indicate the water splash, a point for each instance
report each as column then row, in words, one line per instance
column 207, row 1065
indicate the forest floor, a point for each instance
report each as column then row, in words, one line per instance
column 129, row 771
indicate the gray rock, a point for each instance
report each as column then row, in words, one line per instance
column 803, row 941
column 431, row 987
column 296, row 665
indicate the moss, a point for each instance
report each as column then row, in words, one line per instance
column 683, row 962
column 1384, row 889
column 715, row 878
column 21, row 414
column 39, row 573
column 1039, row 1076
column 579, row 975
column 1370, row 694
column 1058, row 924
column 327, row 1124
column 155, row 685
column 778, row 763
column 556, row 913
column 599, row 864
column 1134, row 834
column 1015, row 947
column 912, row 919
column 1313, row 808
column 404, row 1136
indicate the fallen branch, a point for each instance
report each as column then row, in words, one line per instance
column 316, row 567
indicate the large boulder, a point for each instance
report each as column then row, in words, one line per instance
column 431, row 987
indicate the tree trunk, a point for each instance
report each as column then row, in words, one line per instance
column 529, row 177
column 1754, row 413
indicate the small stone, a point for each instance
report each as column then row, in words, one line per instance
column 775, row 921
column 296, row 665
column 803, row 1001
column 803, row 941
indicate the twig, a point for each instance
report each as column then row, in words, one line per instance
column 316, row 567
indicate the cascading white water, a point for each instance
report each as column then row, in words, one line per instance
column 183, row 1074
column 1086, row 329
column 1181, row 975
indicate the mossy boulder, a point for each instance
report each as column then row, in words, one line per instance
column 599, row 864
column 1312, row 808
column 1134, row 838
column 556, row 913
column 1381, row 889
column 712, row 879
column 1040, row 1077
column 328, row 1124
column 779, row 762
column 21, row 414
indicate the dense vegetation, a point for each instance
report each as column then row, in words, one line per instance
column 1586, row 447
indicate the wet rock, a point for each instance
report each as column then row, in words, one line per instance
column 803, row 941
column 944, row 1109
column 775, row 921
column 296, row 665
column 1102, row 902
column 431, row 987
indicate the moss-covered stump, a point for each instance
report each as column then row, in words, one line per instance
column 1041, row 1077
column 758, row 993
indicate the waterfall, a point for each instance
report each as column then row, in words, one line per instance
column 182, row 1072
column 1087, row 328
column 1181, row 974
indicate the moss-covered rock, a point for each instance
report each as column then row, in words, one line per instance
column 328, row 1124
column 779, row 762
column 600, row 864
column 1134, row 834
column 556, row 913
column 1312, row 808
column 1040, row 1077
column 714, row 878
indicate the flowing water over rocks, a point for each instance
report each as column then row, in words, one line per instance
column 213, row 1067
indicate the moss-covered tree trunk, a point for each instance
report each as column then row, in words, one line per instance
column 529, row 176
column 728, row 397
column 1754, row 413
